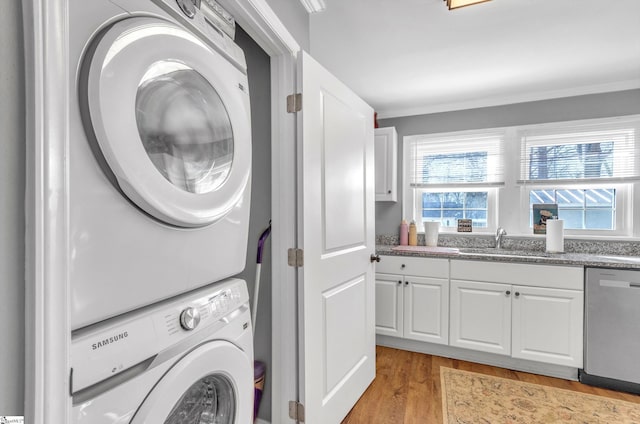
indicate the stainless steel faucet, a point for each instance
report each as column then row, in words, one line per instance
column 500, row 233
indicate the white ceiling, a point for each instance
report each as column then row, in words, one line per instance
column 408, row 57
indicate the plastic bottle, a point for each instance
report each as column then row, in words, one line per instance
column 404, row 233
column 413, row 234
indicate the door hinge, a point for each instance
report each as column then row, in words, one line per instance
column 296, row 257
column 294, row 103
column 296, row 411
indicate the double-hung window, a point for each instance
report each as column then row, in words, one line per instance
column 588, row 170
column 453, row 176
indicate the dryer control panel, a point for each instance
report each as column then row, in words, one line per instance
column 210, row 21
column 107, row 349
column 217, row 16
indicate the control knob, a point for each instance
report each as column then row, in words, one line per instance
column 189, row 318
column 188, row 8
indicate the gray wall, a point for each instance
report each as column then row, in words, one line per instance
column 295, row 18
column 388, row 215
column 258, row 65
column 12, row 185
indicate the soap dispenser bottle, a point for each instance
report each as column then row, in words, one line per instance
column 413, row 234
column 404, row 233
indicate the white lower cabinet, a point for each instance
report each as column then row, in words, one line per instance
column 547, row 325
column 426, row 309
column 389, row 302
column 411, row 306
column 480, row 316
column 538, row 323
column 524, row 311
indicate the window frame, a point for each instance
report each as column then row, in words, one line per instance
column 412, row 196
column 623, row 209
column 515, row 191
column 492, row 208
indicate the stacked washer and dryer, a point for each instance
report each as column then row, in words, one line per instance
column 159, row 188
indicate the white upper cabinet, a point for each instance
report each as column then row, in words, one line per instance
column 386, row 148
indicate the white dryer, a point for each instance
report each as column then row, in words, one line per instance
column 188, row 360
column 159, row 157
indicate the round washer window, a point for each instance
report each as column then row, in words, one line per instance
column 210, row 400
column 184, row 127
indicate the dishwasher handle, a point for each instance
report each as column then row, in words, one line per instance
column 620, row 284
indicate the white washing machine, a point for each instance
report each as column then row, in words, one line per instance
column 159, row 157
column 188, row 360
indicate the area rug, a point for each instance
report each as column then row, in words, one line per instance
column 472, row 398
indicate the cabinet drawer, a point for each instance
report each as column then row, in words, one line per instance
column 404, row 265
column 552, row 276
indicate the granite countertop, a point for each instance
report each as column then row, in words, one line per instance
column 519, row 256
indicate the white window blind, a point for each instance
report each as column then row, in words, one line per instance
column 580, row 154
column 455, row 160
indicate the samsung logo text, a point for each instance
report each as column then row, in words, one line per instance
column 113, row 339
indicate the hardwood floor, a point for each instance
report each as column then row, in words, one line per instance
column 407, row 388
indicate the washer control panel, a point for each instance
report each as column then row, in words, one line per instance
column 189, row 318
column 104, row 350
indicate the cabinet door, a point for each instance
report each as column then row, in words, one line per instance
column 481, row 316
column 389, row 305
column 386, row 146
column 426, row 309
column 547, row 325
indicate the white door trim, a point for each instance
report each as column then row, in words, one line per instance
column 47, row 326
column 266, row 29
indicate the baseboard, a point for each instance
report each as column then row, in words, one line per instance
column 558, row 371
column 609, row 383
column 261, row 421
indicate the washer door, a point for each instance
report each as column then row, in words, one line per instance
column 171, row 119
column 211, row 385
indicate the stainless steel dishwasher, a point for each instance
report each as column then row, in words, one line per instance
column 612, row 329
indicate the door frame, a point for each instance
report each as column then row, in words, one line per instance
column 260, row 22
column 47, row 322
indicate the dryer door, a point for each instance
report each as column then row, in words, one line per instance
column 211, row 384
column 171, row 118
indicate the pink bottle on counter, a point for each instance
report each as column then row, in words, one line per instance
column 404, row 233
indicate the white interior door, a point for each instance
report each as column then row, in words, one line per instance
column 337, row 286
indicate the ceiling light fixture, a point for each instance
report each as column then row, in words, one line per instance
column 314, row 6
column 454, row 4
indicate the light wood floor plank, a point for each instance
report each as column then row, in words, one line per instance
column 407, row 389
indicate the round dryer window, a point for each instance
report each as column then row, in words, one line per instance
column 213, row 384
column 171, row 119
column 184, row 127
